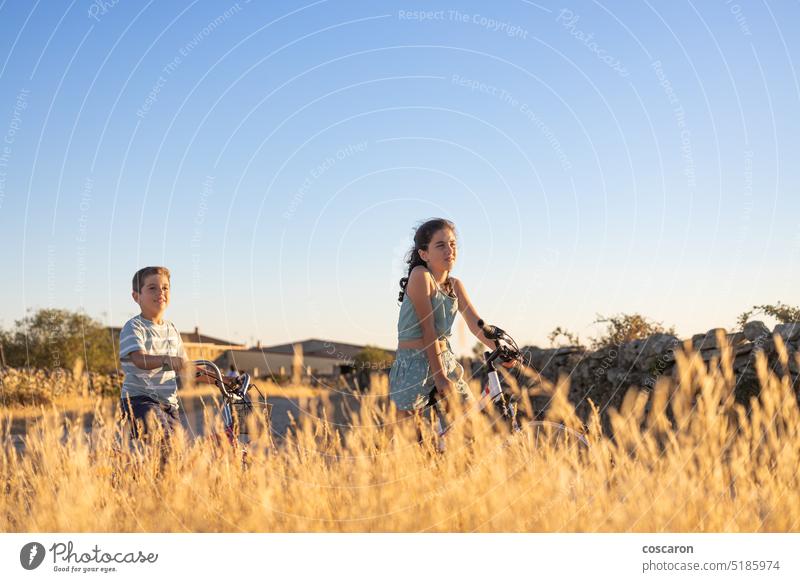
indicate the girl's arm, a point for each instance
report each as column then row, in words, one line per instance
column 468, row 312
column 419, row 290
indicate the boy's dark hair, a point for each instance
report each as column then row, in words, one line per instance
column 422, row 238
column 142, row 274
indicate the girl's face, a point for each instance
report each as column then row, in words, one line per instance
column 441, row 252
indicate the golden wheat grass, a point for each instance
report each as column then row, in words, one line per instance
column 693, row 461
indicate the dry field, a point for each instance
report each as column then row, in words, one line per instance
column 690, row 461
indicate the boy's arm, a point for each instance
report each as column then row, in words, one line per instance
column 132, row 348
column 152, row 362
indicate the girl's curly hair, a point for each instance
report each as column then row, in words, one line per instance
column 422, row 238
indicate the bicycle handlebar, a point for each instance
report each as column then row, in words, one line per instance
column 506, row 351
column 491, row 332
column 231, row 388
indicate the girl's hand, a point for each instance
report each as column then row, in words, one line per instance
column 445, row 387
column 510, row 365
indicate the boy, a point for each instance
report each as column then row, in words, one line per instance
column 152, row 355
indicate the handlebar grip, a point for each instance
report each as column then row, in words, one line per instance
column 490, row 331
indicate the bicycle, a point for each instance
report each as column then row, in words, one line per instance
column 237, row 406
column 543, row 432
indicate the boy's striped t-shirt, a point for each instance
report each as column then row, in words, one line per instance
column 152, row 339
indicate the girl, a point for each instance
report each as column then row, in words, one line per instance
column 430, row 299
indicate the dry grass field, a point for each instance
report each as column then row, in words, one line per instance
column 690, row 461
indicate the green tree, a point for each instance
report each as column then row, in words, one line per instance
column 374, row 358
column 626, row 327
column 782, row 313
column 58, row 338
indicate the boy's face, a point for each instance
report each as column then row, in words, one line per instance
column 154, row 296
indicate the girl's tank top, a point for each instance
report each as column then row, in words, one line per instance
column 445, row 308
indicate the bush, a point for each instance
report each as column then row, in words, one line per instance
column 373, row 358
column 31, row 387
column 779, row 311
column 626, row 327
column 573, row 339
column 59, row 339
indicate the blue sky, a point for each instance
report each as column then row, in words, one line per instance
column 595, row 157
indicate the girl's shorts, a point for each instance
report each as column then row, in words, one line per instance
column 411, row 381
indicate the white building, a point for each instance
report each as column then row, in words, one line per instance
column 316, row 358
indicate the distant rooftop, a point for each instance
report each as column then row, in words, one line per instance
column 193, row 337
column 318, row 348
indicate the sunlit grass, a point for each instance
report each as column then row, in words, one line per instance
column 695, row 461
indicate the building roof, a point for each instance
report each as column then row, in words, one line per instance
column 196, row 337
column 318, row 348
column 192, row 337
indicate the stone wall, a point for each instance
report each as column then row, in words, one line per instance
column 605, row 375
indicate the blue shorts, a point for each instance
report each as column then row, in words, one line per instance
column 411, row 381
column 146, row 414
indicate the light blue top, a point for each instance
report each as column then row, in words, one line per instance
column 445, row 308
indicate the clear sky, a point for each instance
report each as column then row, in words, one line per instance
column 595, row 157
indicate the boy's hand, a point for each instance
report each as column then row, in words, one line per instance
column 204, row 376
column 174, row 363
